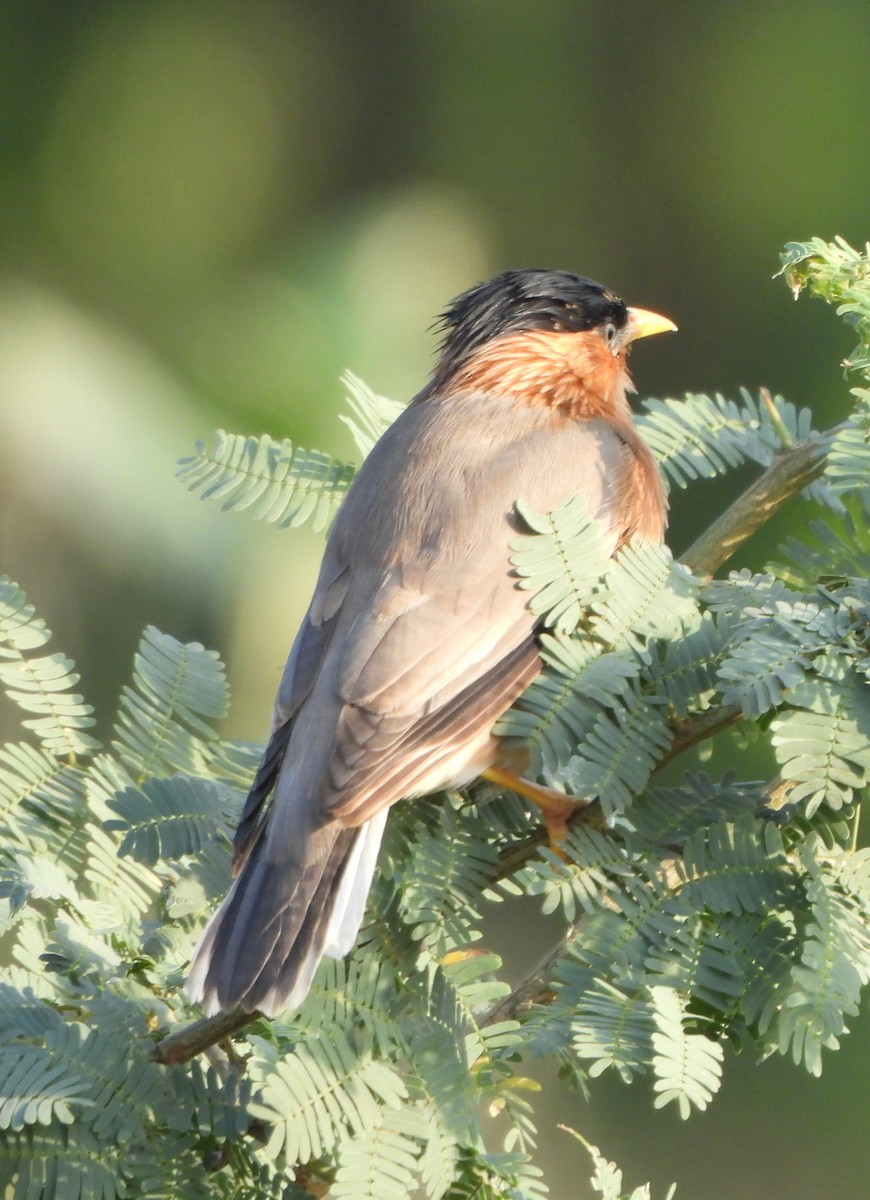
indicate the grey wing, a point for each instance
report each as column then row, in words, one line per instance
column 446, row 642
column 421, row 691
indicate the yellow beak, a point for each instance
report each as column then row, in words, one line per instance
column 642, row 324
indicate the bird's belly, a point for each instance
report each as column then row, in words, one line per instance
column 465, row 764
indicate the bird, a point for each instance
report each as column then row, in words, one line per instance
column 418, row 638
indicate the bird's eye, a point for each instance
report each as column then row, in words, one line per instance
column 610, row 333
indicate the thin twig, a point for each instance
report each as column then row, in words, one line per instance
column 790, row 472
column 536, row 988
column 705, row 725
column 194, row 1039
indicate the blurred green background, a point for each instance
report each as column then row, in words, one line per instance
column 210, row 209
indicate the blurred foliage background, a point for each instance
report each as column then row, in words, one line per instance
column 211, row 208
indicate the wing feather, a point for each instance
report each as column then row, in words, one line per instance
column 418, row 637
column 437, row 751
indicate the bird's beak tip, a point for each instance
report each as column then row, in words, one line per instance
column 643, row 324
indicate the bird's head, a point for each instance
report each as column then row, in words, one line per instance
column 550, row 337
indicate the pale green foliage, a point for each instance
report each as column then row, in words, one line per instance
column 270, row 479
column 325, row 1086
column 697, row 911
column 564, row 563
column 607, row 1177
column 700, row 437
column 273, row 481
column 687, row 1066
column 370, row 414
column 40, row 683
column 160, row 727
column 837, row 273
column 381, row 1162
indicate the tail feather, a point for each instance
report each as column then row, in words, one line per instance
column 353, row 887
column 261, row 948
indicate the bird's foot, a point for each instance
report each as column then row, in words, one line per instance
column 556, row 808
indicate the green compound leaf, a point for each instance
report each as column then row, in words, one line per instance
column 269, row 480
column 562, row 560
column 370, row 414
column 687, row 1066
column 161, row 727
column 314, row 1096
column 168, row 818
column 41, row 684
column 823, row 747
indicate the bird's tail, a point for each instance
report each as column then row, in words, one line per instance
column 284, row 912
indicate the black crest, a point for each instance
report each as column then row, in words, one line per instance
column 516, row 301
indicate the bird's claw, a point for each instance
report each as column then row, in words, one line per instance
column 556, row 808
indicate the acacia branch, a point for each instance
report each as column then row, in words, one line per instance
column 790, row 472
column 705, row 725
column 536, row 988
column 200, row 1035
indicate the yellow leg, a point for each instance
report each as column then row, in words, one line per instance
column 556, row 808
